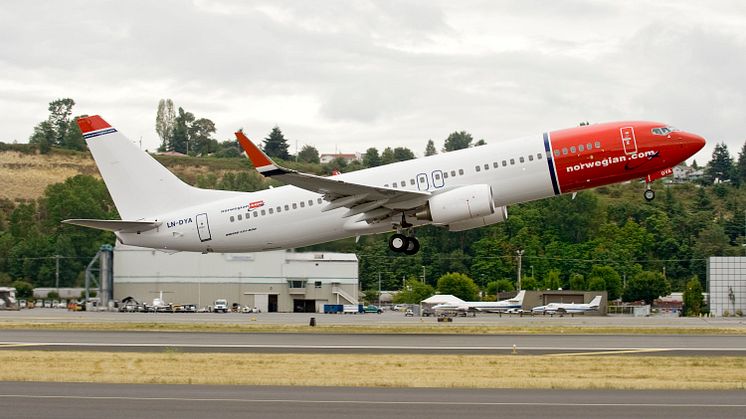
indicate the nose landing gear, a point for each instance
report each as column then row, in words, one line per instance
column 649, row 194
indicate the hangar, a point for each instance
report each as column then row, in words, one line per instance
column 276, row 281
column 727, row 279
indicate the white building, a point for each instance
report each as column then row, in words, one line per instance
column 270, row 281
column 727, row 279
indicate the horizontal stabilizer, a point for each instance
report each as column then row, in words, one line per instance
column 120, row 226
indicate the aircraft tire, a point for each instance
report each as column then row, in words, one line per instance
column 398, row 243
column 649, row 195
column 413, row 246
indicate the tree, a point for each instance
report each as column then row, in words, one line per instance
column 275, row 145
column 371, row 158
column 500, row 285
column 611, row 279
column 458, row 140
column 552, row 280
column 529, row 283
column 720, row 166
column 165, row 121
column 24, row 289
column 430, row 148
column 43, row 137
column 402, row 154
column 740, row 170
column 200, row 137
column 308, row 154
column 646, row 286
column 577, row 282
column 693, row 298
column 414, row 291
column 58, row 130
column 481, row 142
column 459, row 285
column 60, row 111
column 180, row 137
column 596, row 284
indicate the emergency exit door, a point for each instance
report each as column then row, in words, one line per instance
column 203, row 228
column 628, row 140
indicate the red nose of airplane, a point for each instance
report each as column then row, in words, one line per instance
column 692, row 142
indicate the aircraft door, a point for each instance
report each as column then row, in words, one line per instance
column 203, row 228
column 628, row 140
column 422, row 183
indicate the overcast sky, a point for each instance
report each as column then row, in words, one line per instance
column 349, row 75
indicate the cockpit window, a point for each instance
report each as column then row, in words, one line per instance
column 663, row 130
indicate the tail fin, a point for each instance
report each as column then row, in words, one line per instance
column 519, row 297
column 596, row 301
column 140, row 186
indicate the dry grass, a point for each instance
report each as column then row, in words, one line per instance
column 370, row 329
column 25, row 176
column 581, row 372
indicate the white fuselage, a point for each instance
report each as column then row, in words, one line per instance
column 287, row 216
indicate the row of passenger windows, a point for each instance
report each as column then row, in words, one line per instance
column 512, row 161
column 578, row 149
column 438, row 177
column 278, row 209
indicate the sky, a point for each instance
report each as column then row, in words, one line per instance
column 345, row 75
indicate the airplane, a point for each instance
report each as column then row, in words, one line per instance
column 458, row 190
column 159, row 304
column 460, row 305
column 568, row 308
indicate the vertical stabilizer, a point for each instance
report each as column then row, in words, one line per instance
column 140, row 186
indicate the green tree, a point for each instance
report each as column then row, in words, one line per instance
column 387, row 156
column 165, row 121
column 180, row 137
column 740, row 170
column 402, row 154
column 552, row 280
column 430, row 149
column 414, row 291
column 500, row 285
column 43, row 137
column 720, row 166
column 275, row 145
column 459, row 285
column 58, row 129
column 529, row 283
column 596, row 284
column 693, row 298
column 457, row 140
column 308, row 154
column 577, row 282
column 371, row 158
column 646, row 286
column 24, row 289
column 611, row 279
column 200, row 133
column 479, row 143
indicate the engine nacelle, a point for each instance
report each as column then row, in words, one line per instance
column 460, row 204
column 500, row 215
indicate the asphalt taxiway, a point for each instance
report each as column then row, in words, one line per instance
column 533, row 344
column 115, row 401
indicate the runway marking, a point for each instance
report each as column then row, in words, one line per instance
column 364, row 402
column 590, row 350
column 617, row 352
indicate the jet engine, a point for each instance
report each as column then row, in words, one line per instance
column 458, row 205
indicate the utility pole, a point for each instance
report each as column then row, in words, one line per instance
column 57, row 273
column 520, row 253
column 379, row 289
column 423, row 274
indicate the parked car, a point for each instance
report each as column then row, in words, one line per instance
column 409, row 313
column 372, row 309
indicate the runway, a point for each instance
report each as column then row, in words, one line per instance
column 114, row 401
column 534, row 344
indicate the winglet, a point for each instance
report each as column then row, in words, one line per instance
column 259, row 159
column 93, row 126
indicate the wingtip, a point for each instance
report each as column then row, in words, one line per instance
column 257, row 156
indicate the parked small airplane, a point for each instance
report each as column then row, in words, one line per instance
column 459, row 190
column 568, row 308
column 460, row 305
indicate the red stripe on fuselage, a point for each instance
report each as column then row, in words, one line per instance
column 600, row 154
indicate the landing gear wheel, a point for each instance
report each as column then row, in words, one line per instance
column 398, row 242
column 649, row 195
column 413, row 246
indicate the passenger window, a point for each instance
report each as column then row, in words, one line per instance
column 310, row 202
column 477, row 168
column 445, row 175
column 538, row 155
column 395, row 185
column 598, row 144
column 512, row 162
column 403, row 184
column 240, row 217
column 411, row 181
column 302, row 204
column 521, row 159
column 256, row 214
column 530, row 157
column 461, row 171
column 495, row 165
column 232, row 219
column 264, row 212
column 320, row 200
column 287, row 207
column 271, row 211
column 279, row 210
column 248, row 214
column 437, row 176
column 589, row 146
column 453, row 173
column 295, row 206
column 386, row 185
column 573, row 150
column 581, row 148
column 486, row 166
column 505, row 163
column 556, row 152
column 564, row 150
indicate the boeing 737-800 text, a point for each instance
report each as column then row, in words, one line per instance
column 459, row 190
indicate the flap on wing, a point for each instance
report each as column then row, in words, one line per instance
column 121, row 226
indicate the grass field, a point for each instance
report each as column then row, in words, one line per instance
column 444, row 371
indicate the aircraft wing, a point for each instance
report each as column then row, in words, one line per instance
column 122, row 226
column 376, row 202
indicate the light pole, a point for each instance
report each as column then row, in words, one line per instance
column 520, row 253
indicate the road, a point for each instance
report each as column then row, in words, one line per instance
column 114, row 401
column 705, row 345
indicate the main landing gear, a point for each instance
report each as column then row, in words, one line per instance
column 401, row 243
